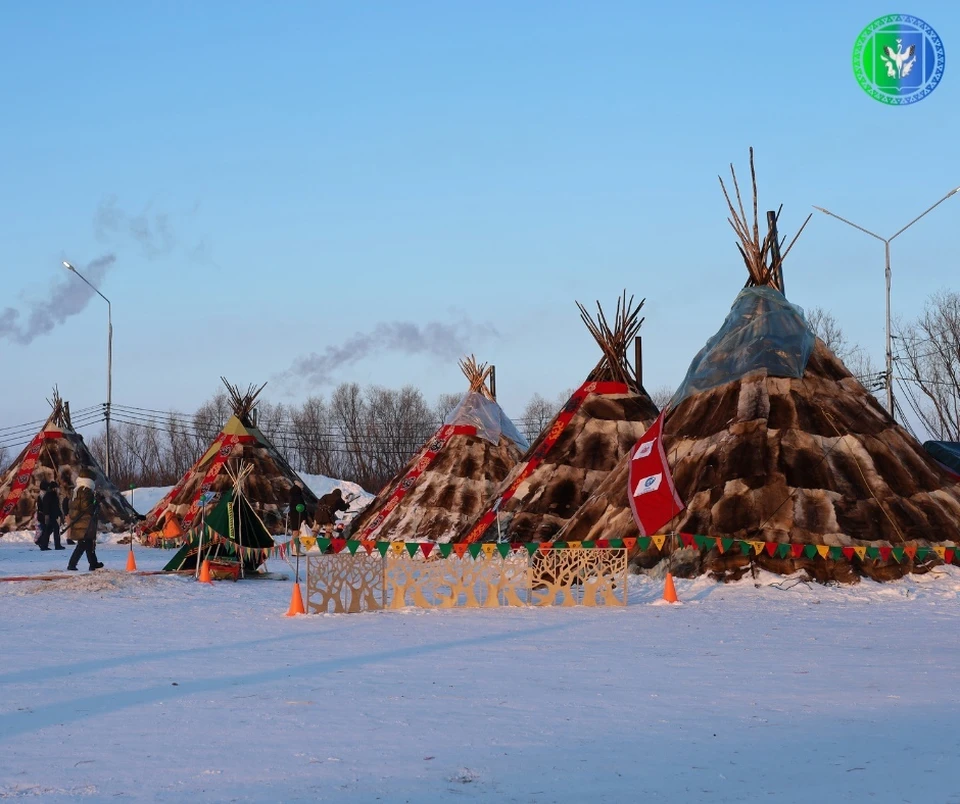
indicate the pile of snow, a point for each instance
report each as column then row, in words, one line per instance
column 144, row 499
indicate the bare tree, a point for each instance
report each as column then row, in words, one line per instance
column 445, row 405
column 826, row 327
column 661, row 396
column 928, row 365
column 536, row 415
column 3, row 459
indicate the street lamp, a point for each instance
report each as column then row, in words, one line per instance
column 69, row 267
column 886, row 246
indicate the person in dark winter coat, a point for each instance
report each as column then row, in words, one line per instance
column 327, row 509
column 48, row 508
column 297, row 518
column 84, row 510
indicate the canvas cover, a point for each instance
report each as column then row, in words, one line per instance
column 947, row 454
column 762, row 331
column 487, row 417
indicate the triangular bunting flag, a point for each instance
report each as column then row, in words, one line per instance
column 718, row 542
column 939, row 550
column 563, row 545
column 873, row 553
column 323, row 544
column 727, row 544
column 910, row 550
column 746, row 548
column 616, row 544
column 412, row 548
column 591, row 545
column 860, row 551
column 516, row 546
column 545, row 547
column 532, row 547
column 922, row 553
column 460, row 549
column 489, row 549
column 368, row 545
column 308, row 542
column 397, row 548
column 338, row 544
column 810, row 551
column 445, row 549
column 796, row 550
column 382, row 547
column 783, row 550
column 836, row 553
column 884, row 553
column 847, row 553
column 948, row 555
column 426, row 548
column 898, row 554
column 687, row 539
column 578, row 545
column 504, row 549
column 822, row 549
column 352, row 546
column 771, row 548
column 644, row 542
column 659, row 540
column 757, row 547
column 702, row 541
column 475, row 549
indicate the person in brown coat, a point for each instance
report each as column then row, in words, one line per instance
column 84, row 511
column 327, row 509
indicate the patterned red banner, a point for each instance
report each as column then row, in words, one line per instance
column 560, row 422
column 427, row 457
column 25, row 471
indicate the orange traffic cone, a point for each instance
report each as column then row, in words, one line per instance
column 205, row 571
column 131, row 562
column 296, row 602
column 669, row 592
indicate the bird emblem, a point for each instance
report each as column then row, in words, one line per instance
column 899, row 64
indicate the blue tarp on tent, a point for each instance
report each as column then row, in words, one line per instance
column 946, row 453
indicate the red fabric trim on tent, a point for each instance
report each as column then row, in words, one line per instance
column 556, row 430
column 25, row 471
column 427, row 457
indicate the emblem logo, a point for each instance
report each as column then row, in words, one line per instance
column 898, row 59
column 643, row 450
column 648, row 484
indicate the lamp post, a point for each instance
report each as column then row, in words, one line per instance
column 106, row 416
column 886, row 248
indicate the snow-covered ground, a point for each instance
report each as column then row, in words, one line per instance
column 144, row 499
column 156, row 688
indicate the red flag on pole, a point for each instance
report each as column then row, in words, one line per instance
column 653, row 498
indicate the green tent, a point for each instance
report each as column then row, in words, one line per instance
column 232, row 528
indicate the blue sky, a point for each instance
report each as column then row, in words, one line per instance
column 309, row 171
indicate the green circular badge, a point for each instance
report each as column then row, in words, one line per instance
column 898, row 59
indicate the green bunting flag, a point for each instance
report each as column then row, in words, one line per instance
column 810, row 551
column 352, row 546
column 616, row 543
column 873, row 553
column 898, row 554
column 783, row 551
column 643, row 541
column 383, row 547
column 922, row 553
column 532, row 547
column 559, row 545
column 446, row 549
column 504, row 549
column 592, row 545
column 323, row 544
column 745, row 548
column 412, row 548
column 475, row 549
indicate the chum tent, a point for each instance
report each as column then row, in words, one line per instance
column 451, row 477
column 57, row 453
column 584, row 442
column 947, row 454
column 267, row 486
column 230, row 532
column 770, row 438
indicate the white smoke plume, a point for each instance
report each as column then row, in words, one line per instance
column 444, row 341
column 66, row 297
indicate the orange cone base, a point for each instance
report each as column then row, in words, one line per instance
column 296, row 602
column 669, row 591
column 131, row 562
column 205, row 572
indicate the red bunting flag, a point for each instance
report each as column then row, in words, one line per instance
column 653, row 497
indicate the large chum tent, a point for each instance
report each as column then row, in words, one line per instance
column 449, row 480
column 57, row 453
column 581, row 445
column 770, row 438
column 267, row 486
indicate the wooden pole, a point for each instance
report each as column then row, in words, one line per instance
column 493, row 382
column 638, row 359
column 775, row 251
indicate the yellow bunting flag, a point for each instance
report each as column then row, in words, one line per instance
column 489, row 548
column 861, row 552
column 757, row 547
column 659, row 540
column 939, row 550
column 308, row 542
column 578, row 545
column 823, row 550
column 397, row 548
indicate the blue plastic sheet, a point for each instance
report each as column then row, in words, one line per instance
column 488, row 417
